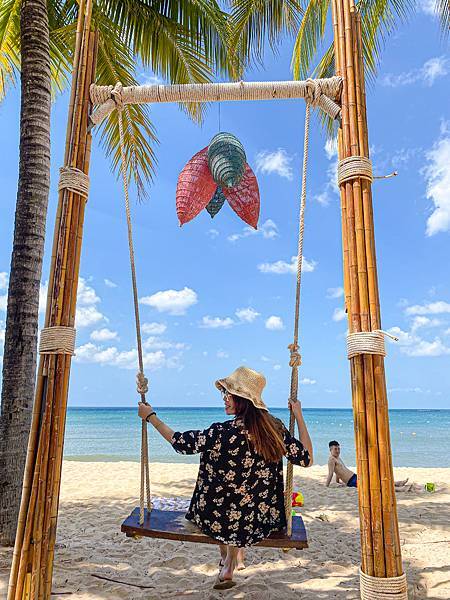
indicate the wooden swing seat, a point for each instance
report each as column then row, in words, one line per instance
column 172, row 525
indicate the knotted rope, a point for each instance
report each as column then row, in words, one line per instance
column 353, row 167
column 295, row 357
column 367, row 342
column 57, row 340
column 321, row 93
column 73, row 179
column 142, row 381
column 383, row 588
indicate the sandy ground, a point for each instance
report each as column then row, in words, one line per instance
column 96, row 497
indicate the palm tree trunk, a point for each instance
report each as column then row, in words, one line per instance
column 19, row 360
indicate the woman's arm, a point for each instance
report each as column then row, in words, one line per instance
column 163, row 429
column 304, row 437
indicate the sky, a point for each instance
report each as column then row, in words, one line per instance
column 215, row 294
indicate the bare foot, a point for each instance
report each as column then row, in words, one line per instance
column 240, row 564
column 227, row 571
column 402, row 483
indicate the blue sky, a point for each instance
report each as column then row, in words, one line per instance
column 215, row 295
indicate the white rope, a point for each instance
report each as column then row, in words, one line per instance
column 57, row 340
column 353, row 167
column 142, row 381
column 295, row 359
column 367, row 342
column 75, row 180
column 383, row 588
column 321, row 93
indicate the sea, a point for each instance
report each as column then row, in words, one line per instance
column 419, row 438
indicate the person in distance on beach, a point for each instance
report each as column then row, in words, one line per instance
column 239, row 495
column 344, row 475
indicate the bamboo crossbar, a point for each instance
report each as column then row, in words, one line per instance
column 324, row 93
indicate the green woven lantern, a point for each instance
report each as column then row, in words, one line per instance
column 226, row 160
column 216, row 202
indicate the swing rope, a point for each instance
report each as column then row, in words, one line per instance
column 295, row 358
column 142, row 382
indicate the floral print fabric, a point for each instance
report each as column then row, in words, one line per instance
column 239, row 497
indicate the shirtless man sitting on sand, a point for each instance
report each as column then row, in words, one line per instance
column 343, row 474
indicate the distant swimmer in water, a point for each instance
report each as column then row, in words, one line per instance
column 343, row 474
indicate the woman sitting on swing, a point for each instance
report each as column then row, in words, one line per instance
column 239, row 495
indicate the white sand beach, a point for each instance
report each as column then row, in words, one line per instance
column 96, row 497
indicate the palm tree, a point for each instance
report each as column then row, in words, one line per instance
column 180, row 41
column 255, row 22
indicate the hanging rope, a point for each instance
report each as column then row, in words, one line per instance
column 142, row 382
column 295, row 357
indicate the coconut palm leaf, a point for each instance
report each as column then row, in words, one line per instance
column 9, row 42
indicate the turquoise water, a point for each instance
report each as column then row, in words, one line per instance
column 419, row 437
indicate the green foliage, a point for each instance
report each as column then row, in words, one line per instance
column 181, row 41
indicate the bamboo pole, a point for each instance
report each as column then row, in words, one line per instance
column 380, row 545
column 31, row 571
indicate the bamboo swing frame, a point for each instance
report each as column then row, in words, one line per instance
column 32, row 566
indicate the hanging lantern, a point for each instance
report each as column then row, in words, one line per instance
column 226, row 159
column 216, row 202
column 203, row 182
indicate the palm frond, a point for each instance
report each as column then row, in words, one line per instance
column 311, row 32
column 9, row 44
column 443, row 11
column 253, row 22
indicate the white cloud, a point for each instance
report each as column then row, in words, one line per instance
column 428, row 7
column 336, row 292
column 3, row 280
column 278, row 162
column 268, row 230
column 156, row 343
column 150, row 79
column 437, row 178
column 213, row 233
column 307, row 381
column 433, row 308
column 247, row 315
column 420, row 321
column 103, row 335
column 432, row 69
column 216, row 322
column 86, row 295
column 43, row 291
column 413, row 345
column 276, row 367
column 175, row 302
column 87, row 316
column 109, row 283
column 222, row 354
column 111, row 356
column 154, row 328
column 281, row 267
column 330, row 187
column 339, row 314
column 3, row 302
column 274, row 323
column 331, row 391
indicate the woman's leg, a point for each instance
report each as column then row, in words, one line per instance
column 223, row 553
column 240, row 559
column 230, row 563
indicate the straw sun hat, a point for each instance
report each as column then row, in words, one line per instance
column 246, row 383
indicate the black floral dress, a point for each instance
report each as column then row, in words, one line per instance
column 239, row 497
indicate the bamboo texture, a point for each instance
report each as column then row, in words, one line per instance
column 32, row 566
column 380, row 547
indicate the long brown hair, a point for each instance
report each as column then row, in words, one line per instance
column 264, row 431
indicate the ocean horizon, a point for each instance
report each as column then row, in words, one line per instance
column 419, row 437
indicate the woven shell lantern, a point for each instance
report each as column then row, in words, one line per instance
column 198, row 187
column 226, row 160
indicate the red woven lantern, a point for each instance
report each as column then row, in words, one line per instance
column 195, row 187
column 244, row 198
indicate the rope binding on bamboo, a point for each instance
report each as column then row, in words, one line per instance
column 367, row 342
column 383, row 588
column 57, row 340
column 354, row 167
column 75, row 180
